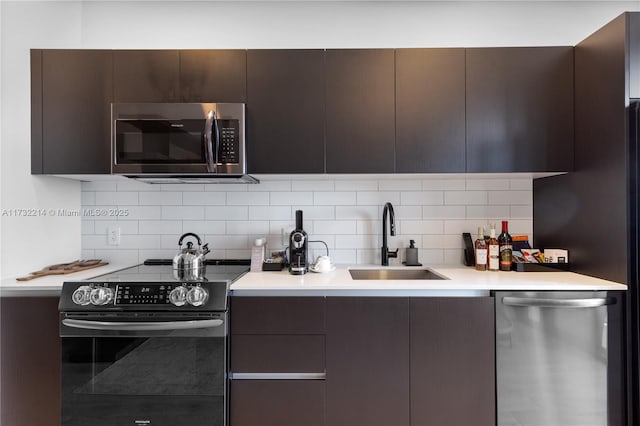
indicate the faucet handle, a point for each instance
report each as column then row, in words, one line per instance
column 393, row 253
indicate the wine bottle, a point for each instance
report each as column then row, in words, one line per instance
column 481, row 251
column 494, row 250
column 506, row 247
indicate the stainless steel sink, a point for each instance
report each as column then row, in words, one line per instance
column 395, row 274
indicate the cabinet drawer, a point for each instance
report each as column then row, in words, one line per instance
column 277, row 354
column 276, row 403
column 277, row 315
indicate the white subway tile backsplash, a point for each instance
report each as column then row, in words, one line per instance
column 160, row 198
column 487, row 184
column 162, row 227
column 117, row 198
column 334, row 227
column 356, row 185
column 143, row 213
column 334, row 198
column 202, row 227
column 270, row 213
column 89, row 254
column 345, row 212
column 312, row 185
column 511, row 197
column 182, row 212
column 291, row 198
column 465, row 197
column 371, row 198
column 247, row 198
column 421, row 198
column 443, row 212
column 227, row 213
column 400, row 185
column 201, row 198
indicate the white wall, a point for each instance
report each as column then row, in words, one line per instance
column 30, row 243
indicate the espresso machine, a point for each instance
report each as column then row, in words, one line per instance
column 298, row 246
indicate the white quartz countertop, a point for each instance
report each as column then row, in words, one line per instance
column 462, row 281
column 50, row 285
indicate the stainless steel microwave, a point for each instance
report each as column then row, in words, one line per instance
column 162, row 142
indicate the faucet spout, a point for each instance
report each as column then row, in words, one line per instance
column 386, row 254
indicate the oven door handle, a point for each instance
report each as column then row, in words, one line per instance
column 142, row 326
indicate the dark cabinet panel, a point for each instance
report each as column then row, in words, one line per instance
column 519, row 109
column 285, row 114
column 360, row 111
column 213, row 75
column 430, row 110
column 30, row 370
column 452, row 361
column 146, row 75
column 367, row 361
column 277, row 403
column 36, row 111
column 277, row 315
column 76, row 99
column 277, row 353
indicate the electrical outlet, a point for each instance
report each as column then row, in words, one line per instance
column 286, row 232
column 113, row 235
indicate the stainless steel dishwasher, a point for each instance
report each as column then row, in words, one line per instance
column 559, row 358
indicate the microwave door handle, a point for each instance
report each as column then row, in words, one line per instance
column 209, row 126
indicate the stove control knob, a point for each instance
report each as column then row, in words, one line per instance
column 101, row 296
column 197, row 296
column 82, row 295
column 178, row 295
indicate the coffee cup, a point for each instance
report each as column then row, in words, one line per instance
column 323, row 264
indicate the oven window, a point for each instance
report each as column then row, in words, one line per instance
column 154, row 381
column 160, row 141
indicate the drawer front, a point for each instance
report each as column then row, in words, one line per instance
column 277, row 315
column 276, row 403
column 277, row 353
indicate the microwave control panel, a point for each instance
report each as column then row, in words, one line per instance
column 229, row 144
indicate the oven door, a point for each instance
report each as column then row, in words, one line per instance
column 144, row 370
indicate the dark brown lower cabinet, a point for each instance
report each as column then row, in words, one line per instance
column 452, row 361
column 367, row 361
column 277, row 403
column 30, row 361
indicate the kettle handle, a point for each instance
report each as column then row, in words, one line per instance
column 189, row 234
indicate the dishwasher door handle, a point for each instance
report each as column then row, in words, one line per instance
column 142, row 326
column 534, row 302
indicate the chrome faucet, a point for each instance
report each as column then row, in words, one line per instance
column 386, row 254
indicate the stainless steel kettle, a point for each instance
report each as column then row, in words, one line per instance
column 191, row 260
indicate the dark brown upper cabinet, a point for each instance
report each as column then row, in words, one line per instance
column 519, row 109
column 360, row 111
column 213, row 76
column 430, row 111
column 70, row 111
column 146, row 75
column 285, row 111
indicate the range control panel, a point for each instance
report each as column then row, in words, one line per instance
column 143, row 294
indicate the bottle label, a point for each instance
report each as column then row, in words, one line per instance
column 505, row 256
column 494, row 257
column 481, row 256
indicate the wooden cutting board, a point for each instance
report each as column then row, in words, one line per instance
column 65, row 268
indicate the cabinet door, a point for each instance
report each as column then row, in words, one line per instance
column 213, row 76
column 277, row 403
column 367, row 361
column 430, row 111
column 452, row 361
column 75, row 111
column 360, row 108
column 519, row 109
column 285, row 112
column 146, row 75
